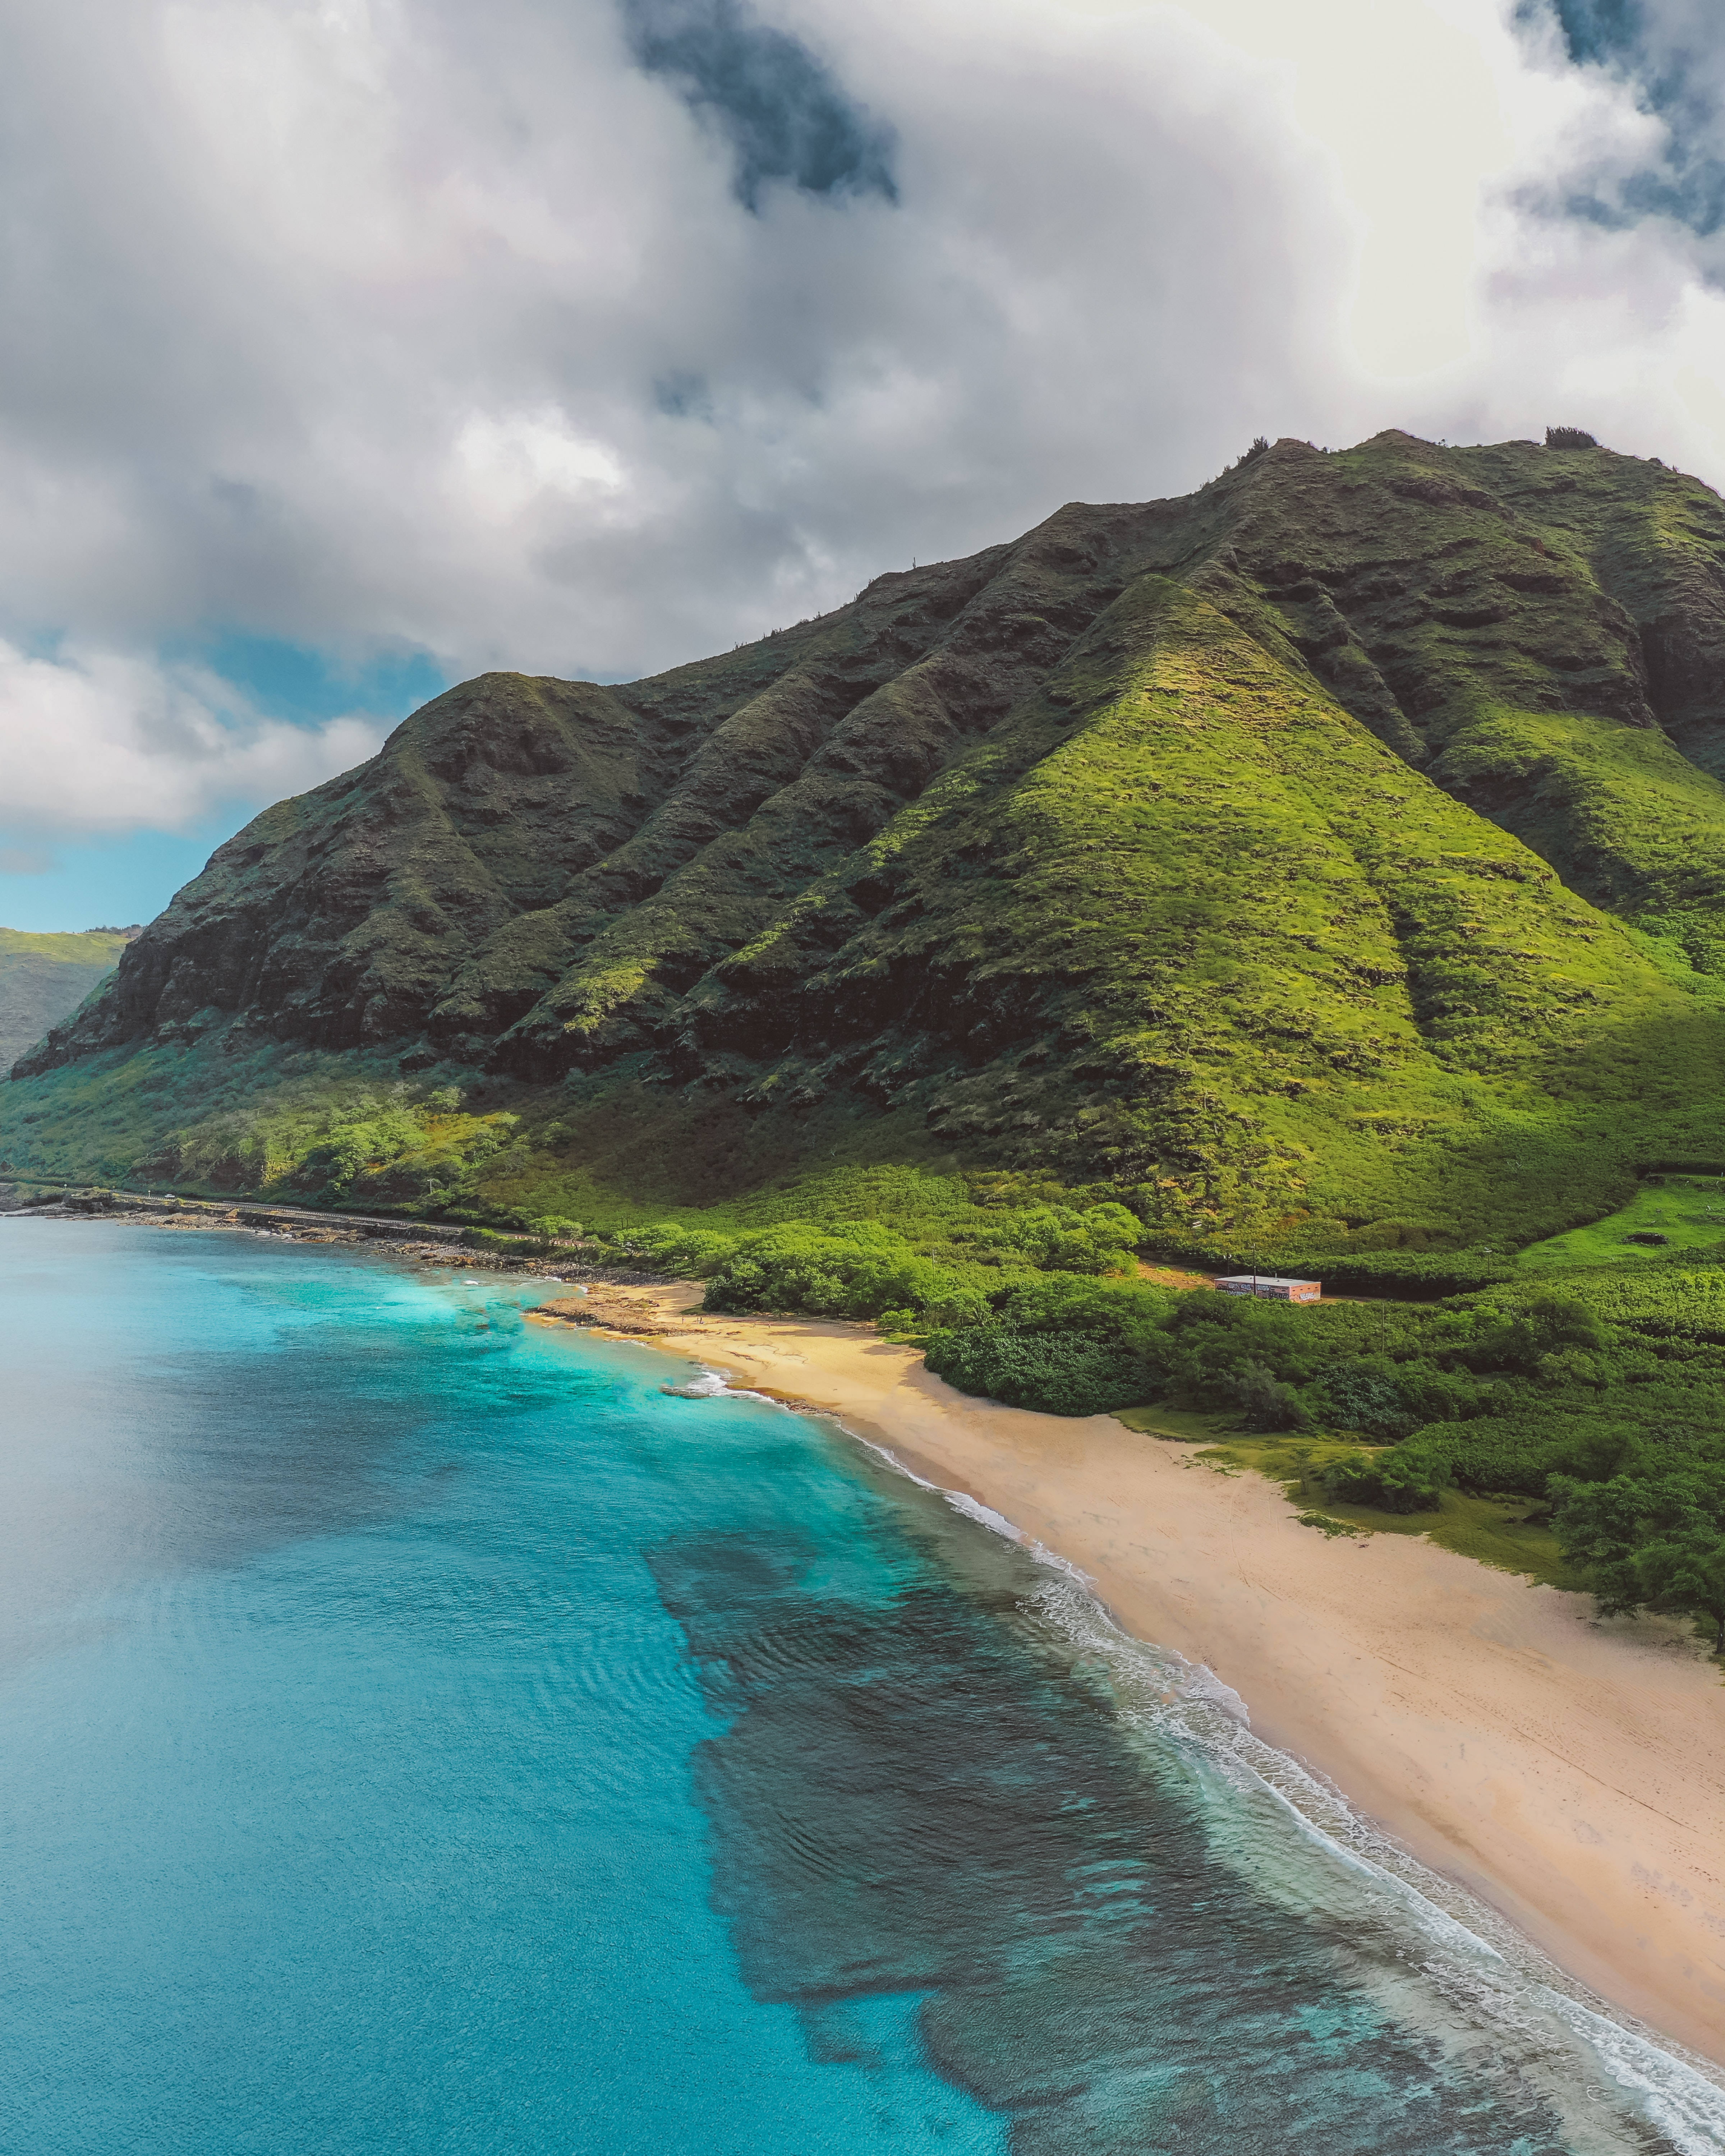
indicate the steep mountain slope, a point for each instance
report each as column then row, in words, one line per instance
column 1335, row 855
column 44, row 978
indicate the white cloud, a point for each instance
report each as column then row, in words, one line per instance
column 503, row 468
column 94, row 741
column 446, row 327
column 409, row 323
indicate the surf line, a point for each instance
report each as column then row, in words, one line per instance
column 1672, row 2088
column 1465, row 1947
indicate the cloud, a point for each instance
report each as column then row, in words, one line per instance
column 25, row 860
column 780, row 108
column 94, row 742
column 590, row 335
column 1666, row 57
column 588, row 341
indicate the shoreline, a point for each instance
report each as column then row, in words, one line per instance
column 1568, row 1772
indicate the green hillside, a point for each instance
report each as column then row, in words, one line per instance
column 44, row 978
column 1330, row 862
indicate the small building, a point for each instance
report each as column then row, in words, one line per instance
column 1270, row 1287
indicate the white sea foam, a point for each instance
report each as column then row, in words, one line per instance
column 705, row 1383
column 708, row 1383
column 1591, row 2062
column 972, row 1509
column 1446, row 1961
column 988, row 1517
column 910, row 1473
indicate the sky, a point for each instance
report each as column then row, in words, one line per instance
column 349, row 348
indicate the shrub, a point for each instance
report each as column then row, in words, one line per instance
column 1406, row 1480
column 1419, row 1273
column 1522, row 1453
column 1135, row 1311
column 1265, row 1403
column 859, row 1272
column 698, row 1250
column 1650, row 1544
column 1057, row 1374
column 1364, row 1395
column 1092, row 1238
column 1518, row 1336
column 1658, row 1298
column 1213, row 1339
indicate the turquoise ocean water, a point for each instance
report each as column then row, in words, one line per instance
column 420, row 1733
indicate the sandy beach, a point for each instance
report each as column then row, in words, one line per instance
column 1568, row 1772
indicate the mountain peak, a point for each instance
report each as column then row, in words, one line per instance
column 1221, row 848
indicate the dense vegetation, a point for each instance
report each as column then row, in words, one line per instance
column 328, row 1136
column 1328, row 864
column 1651, row 1542
column 1327, row 870
column 1058, row 1373
column 1595, row 1394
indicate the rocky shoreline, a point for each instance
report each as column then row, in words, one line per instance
column 426, row 1242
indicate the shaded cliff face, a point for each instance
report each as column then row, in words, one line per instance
column 533, row 871
column 1180, row 843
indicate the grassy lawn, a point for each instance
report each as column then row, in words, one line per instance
column 1186, row 1424
column 1688, row 1210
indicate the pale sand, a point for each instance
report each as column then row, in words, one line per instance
column 1570, row 1773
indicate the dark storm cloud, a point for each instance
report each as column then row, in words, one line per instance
column 779, row 109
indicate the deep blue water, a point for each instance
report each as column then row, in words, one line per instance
column 421, row 1733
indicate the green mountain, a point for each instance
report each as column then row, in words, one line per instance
column 1332, row 860
column 43, row 979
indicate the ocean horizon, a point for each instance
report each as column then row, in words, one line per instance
column 425, row 1733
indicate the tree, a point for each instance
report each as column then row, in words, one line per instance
column 1403, row 1480
column 1364, row 1395
column 1264, row 1400
column 551, row 1228
column 1649, row 1543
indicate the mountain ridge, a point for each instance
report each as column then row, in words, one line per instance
column 1338, row 850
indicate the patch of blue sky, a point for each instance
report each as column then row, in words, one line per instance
column 1648, row 45
column 1596, row 30
column 1694, row 196
column 110, row 879
column 307, row 686
column 106, row 882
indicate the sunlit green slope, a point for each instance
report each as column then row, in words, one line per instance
column 1331, row 861
column 44, row 978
